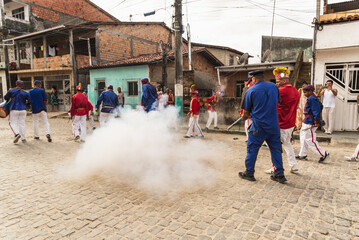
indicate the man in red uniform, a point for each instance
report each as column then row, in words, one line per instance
column 194, row 129
column 287, row 112
column 79, row 112
column 212, row 112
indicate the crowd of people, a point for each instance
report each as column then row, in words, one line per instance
column 271, row 112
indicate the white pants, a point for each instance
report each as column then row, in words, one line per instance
column 35, row 119
column 105, row 117
column 91, row 120
column 308, row 137
column 328, row 117
column 211, row 116
column 356, row 152
column 18, row 117
column 79, row 122
column 194, row 129
column 247, row 123
column 285, row 136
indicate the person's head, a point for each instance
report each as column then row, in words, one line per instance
column 281, row 76
column 170, row 91
column 257, row 75
column 37, row 84
column 79, row 88
column 119, row 89
column 19, row 84
column 110, row 88
column 167, row 90
column 330, row 83
column 308, row 90
column 304, row 84
column 144, row 81
column 159, row 88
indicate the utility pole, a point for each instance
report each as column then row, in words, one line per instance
column 314, row 55
column 271, row 35
column 178, row 56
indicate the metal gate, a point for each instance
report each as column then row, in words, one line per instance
column 346, row 80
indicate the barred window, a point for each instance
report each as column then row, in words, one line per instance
column 19, row 13
column 132, row 88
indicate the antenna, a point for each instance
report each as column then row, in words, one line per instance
column 265, row 56
column 243, row 59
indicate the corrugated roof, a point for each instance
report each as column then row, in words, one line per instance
column 337, row 18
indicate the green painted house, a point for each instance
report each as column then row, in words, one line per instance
column 126, row 77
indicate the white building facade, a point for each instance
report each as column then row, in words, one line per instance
column 337, row 59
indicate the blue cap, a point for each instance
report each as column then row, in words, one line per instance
column 255, row 73
column 37, row 82
column 144, row 80
column 110, row 86
column 19, row 82
column 308, row 88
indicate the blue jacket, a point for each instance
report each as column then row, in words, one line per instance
column 261, row 101
column 37, row 98
column 312, row 110
column 149, row 96
column 19, row 96
column 109, row 101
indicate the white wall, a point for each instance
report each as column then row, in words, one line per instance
column 338, row 35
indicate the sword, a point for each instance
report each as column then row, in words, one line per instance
column 237, row 121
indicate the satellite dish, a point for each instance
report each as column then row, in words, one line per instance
column 243, row 59
column 265, row 56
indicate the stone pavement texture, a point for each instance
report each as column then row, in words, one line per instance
column 320, row 202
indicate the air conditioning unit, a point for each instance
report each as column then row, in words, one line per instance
column 2, row 65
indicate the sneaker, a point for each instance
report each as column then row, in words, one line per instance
column 301, row 158
column 77, row 138
column 200, row 136
column 23, row 140
column 216, row 128
column 351, row 159
column 17, row 137
column 48, row 138
column 269, row 171
column 323, row 158
column 278, row 178
column 187, row 136
column 246, row 176
column 93, row 128
column 36, row 138
column 206, row 129
column 294, row 169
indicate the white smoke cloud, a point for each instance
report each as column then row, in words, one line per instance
column 146, row 151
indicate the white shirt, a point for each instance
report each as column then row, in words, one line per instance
column 328, row 99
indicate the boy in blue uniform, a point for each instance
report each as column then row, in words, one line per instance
column 310, row 124
column 109, row 102
column 38, row 101
column 149, row 96
column 18, row 110
column 261, row 104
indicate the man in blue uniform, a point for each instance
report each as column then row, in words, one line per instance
column 38, row 101
column 18, row 98
column 109, row 102
column 149, row 95
column 261, row 104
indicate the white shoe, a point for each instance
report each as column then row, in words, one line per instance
column 351, row 159
column 269, row 171
column 294, row 169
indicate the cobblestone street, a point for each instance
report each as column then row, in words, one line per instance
column 320, row 202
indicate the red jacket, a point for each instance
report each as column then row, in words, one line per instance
column 212, row 101
column 287, row 108
column 194, row 106
column 80, row 105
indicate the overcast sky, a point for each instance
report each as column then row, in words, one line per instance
column 238, row 24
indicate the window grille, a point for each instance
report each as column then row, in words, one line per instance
column 19, row 13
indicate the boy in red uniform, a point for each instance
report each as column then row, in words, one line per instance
column 79, row 111
column 194, row 129
column 287, row 112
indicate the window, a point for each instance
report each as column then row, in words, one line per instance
column 239, row 88
column 132, row 88
column 19, row 13
column 23, row 51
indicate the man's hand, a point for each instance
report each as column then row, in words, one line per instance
column 245, row 115
column 317, row 124
column 96, row 109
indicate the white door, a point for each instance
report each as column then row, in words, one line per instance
column 346, row 81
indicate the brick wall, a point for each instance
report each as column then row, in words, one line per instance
column 115, row 40
column 52, row 9
column 52, row 62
